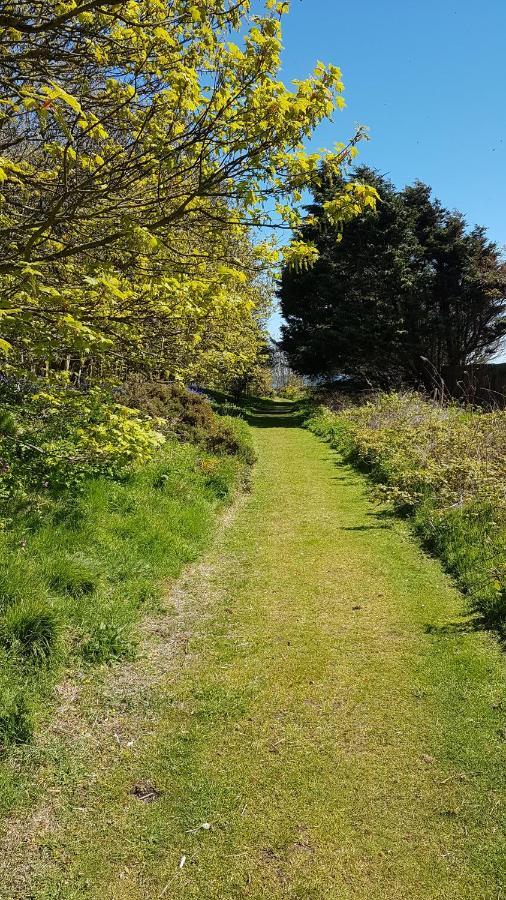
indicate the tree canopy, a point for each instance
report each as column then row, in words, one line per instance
column 139, row 143
column 406, row 290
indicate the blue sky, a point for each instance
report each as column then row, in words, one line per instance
column 429, row 79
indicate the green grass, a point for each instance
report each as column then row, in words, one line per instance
column 73, row 589
column 320, row 703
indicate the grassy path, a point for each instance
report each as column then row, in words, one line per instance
column 339, row 736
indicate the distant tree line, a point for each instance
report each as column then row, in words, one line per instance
column 406, row 291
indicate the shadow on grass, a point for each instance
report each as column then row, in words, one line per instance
column 473, row 624
column 451, row 628
column 366, row 528
column 271, row 414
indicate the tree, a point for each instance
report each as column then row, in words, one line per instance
column 404, row 291
column 138, row 143
column 459, row 315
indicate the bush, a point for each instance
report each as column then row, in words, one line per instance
column 187, row 415
column 446, row 467
column 232, row 437
column 294, row 389
column 191, row 417
column 54, row 437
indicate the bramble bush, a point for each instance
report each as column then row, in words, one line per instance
column 444, row 466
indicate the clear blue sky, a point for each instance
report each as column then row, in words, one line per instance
column 429, row 79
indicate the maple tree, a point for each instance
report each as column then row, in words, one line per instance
column 139, row 143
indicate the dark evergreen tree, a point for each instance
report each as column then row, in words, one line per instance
column 408, row 290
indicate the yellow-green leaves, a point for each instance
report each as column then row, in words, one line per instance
column 355, row 199
column 56, row 92
column 299, row 255
column 138, row 167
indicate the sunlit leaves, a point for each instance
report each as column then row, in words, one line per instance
column 143, row 140
column 300, row 255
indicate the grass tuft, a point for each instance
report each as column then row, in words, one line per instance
column 29, row 629
column 15, row 713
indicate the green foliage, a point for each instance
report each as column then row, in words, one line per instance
column 219, row 476
column 107, row 642
column 133, row 172
column 15, row 713
column 232, row 437
column 187, row 415
column 293, row 389
column 227, row 408
column 447, row 468
column 58, row 436
column 407, row 290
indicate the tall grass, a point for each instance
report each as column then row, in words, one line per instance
column 446, row 468
column 73, row 588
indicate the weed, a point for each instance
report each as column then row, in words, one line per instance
column 108, row 642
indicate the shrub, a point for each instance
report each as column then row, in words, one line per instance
column 54, row 437
column 445, row 466
column 233, row 437
column 187, row 415
column 190, row 417
column 294, row 389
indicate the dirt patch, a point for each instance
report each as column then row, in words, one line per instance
column 145, row 791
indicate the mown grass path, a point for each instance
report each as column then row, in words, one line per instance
column 338, row 732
